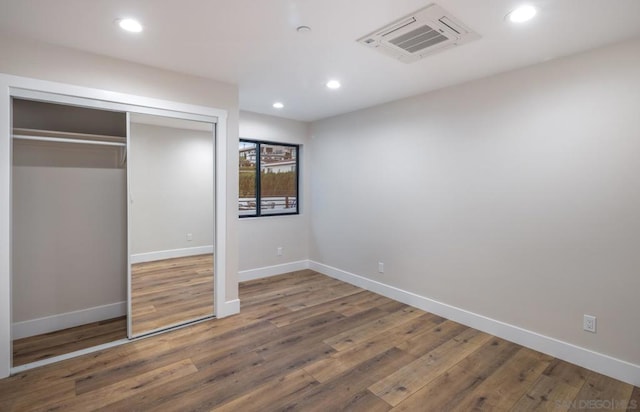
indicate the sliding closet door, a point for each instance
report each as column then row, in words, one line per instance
column 171, row 222
column 68, row 226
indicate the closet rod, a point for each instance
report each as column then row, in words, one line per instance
column 62, row 140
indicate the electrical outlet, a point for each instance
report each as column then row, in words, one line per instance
column 189, row 237
column 279, row 251
column 589, row 323
column 380, row 267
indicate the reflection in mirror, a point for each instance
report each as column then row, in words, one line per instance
column 171, row 215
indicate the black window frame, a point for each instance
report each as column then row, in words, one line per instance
column 258, row 175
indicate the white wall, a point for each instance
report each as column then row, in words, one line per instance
column 171, row 188
column 260, row 237
column 59, row 64
column 515, row 197
column 69, row 240
column 47, row 62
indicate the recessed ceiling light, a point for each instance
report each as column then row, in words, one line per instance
column 278, row 105
column 303, row 29
column 131, row 25
column 333, row 84
column 522, row 14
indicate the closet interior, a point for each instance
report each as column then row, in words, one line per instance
column 69, row 228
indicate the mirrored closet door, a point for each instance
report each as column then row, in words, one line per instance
column 171, row 221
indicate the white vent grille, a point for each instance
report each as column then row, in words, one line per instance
column 419, row 39
column 424, row 32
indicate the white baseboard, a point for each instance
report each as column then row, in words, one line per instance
column 607, row 365
column 267, row 271
column 48, row 324
column 170, row 254
column 228, row 308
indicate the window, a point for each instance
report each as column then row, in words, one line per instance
column 273, row 191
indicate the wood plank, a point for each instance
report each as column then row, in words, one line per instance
column 426, row 341
column 125, row 388
column 246, row 379
column 392, row 306
column 257, row 313
column 507, row 384
column 112, row 393
column 360, row 334
column 634, row 400
column 323, row 295
column 449, row 388
column 53, row 394
column 296, row 288
column 314, row 330
column 333, row 366
column 567, row 373
column 43, row 378
column 335, row 305
column 219, row 380
column 232, row 343
column 348, row 388
column 39, row 347
column 6, row 404
column 600, row 392
column 260, row 288
column 404, row 382
column 268, row 394
column 268, row 345
column 365, row 401
column 556, row 389
column 165, row 353
column 373, row 301
column 545, row 388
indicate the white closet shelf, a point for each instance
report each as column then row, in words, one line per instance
column 68, row 137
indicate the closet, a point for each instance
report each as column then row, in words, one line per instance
column 69, row 228
column 113, row 222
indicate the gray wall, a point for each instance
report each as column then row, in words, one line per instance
column 260, row 237
column 171, row 188
column 69, row 238
column 43, row 61
column 515, row 197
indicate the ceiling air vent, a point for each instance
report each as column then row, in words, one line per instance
column 419, row 34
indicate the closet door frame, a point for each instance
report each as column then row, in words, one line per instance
column 22, row 87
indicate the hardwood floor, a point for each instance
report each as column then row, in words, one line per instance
column 164, row 293
column 171, row 291
column 310, row 343
column 65, row 341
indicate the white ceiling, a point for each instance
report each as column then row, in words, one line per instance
column 253, row 43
